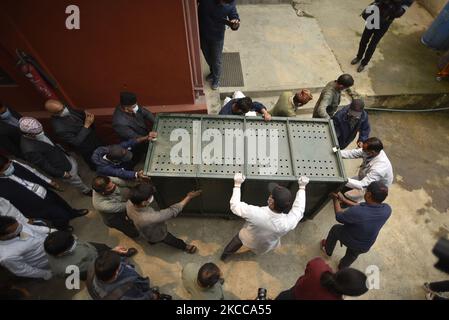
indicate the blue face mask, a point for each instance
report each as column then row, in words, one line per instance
column 9, row 172
column 5, row 115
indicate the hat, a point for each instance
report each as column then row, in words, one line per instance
column 128, row 99
column 118, row 153
column 282, row 197
column 30, row 126
column 356, row 108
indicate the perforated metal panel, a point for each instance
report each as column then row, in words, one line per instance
column 304, row 147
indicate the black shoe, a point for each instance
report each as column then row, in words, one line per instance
column 355, row 61
column 131, row 252
column 81, row 212
column 360, row 68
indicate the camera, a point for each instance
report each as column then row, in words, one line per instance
column 262, row 294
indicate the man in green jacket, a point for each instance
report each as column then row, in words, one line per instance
column 330, row 97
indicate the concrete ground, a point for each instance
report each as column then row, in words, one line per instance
column 402, row 252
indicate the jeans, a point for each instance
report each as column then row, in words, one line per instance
column 336, row 234
column 233, row 246
column 370, row 39
column 75, row 179
column 172, row 241
column 213, row 53
column 120, row 222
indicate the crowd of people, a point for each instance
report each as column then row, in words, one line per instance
column 38, row 241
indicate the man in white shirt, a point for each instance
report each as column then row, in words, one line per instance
column 265, row 226
column 375, row 167
column 22, row 249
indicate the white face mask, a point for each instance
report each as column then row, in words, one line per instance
column 136, row 108
column 9, row 172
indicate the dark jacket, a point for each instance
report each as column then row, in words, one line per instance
column 71, row 130
column 50, row 159
column 108, row 168
column 131, row 126
column 390, row 10
column 27, row 202
column 211, row 14
column 227, row 109
column 344, row 132
column 129, row 285
column 10, row 136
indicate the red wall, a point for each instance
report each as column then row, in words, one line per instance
column 138, row 45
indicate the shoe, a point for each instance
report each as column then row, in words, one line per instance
column 82, row 212
column 430, row 296
column 355, row 61
column 191, row 249
column 360, row 68
column 215, row 86
column 426, row 287
column 131, row 252
column 88, row 193
column 323, row 247
column 224, row 257
column 210, row 77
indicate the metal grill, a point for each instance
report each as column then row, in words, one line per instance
column 305, row 147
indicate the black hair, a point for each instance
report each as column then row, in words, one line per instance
column 5, row 223
column 357, row 104
column 244, row 104
column 347, row 281
column 58, row 242
column 107, row 264
column 3, row 160
column 100, row 183
column 115, row 152
column 346, row 80
column 374, row 144
column 208, row 275
column 142, row 192
column 378, row 190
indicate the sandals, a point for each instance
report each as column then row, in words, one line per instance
column 190, row 249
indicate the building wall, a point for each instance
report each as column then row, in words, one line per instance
column 136, row 45
column 433, row 6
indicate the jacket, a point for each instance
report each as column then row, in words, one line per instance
column 391, row 10
column 211, row 14
column 328, row 102
column 10, row 136
column 131, row 126
column 109, row 168
column 83, row 256
column 70, row 130
column 151, row 223
column 343, row 129
column 50, row 159
column 378, row 168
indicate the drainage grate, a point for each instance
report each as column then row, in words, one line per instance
column 232, row 74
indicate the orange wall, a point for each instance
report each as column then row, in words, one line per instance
column 139, row 45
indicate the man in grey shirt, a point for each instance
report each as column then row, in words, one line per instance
column 109, row 199
column 64, row 249
column 151, row 223
column 330, row 97
column 203, row 283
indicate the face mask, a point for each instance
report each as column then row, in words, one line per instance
column 65, row 112
column 71, row 249
column 17, row 232
column 9, row 172
column 5, row 115
column 136, row 109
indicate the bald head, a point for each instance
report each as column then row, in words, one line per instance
column 54, row 106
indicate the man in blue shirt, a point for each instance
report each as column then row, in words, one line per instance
column 360, row 224
column 351, row 120
column 214, row 15
column 241, row 106
column 117, row 160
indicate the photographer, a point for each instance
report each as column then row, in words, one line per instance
column 388, row 10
